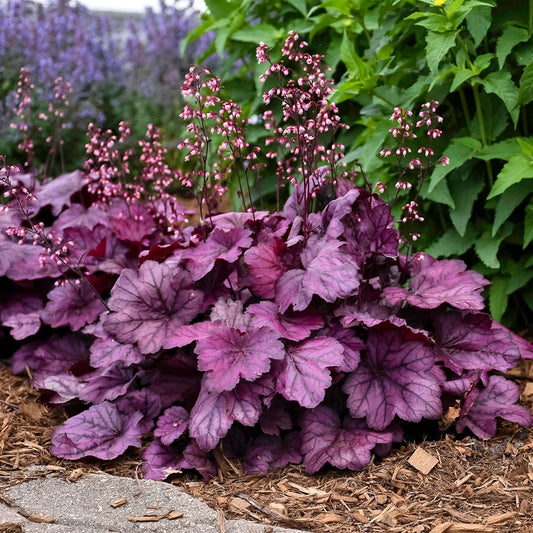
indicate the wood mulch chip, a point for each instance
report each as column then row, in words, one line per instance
column 455, row 485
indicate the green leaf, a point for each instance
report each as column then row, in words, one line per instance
column 528, row 224
column 510, row 37
column 437, row 46
column 501, row 84
column 495, row 118
column 452, row 244
column 195, row 33
column 219, row 8
column 498, row 298
column 509, row 201
column 464, row 193
column 457, row 153
column 519, row 167
column 460, row 77
column 435, row 22
column 478, row 22
column 487, row 246
column 439, row 193
column 300, row 5
column 525, row 146
column 502, row 150
column 352, row 61
column 257, row 33
column 525, row 93
column 519, row 274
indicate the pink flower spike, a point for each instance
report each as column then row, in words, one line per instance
column 444, row 161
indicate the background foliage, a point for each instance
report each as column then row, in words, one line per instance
column 474, row 56
column 120, row 68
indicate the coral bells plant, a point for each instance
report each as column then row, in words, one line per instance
column 308, row 335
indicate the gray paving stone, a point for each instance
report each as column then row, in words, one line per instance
column 84, row 507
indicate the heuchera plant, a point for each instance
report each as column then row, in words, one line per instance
column 303, row 335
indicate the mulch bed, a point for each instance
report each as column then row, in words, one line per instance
column 474, row 485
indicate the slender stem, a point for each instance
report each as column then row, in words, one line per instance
column 464, row 104
column 530, row 22
column 482, row 131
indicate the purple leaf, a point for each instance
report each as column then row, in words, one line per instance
column 231, row 313
column 211, row 418
column 101, row 432
column 474, row 341
column 132, row 222
column 496, row 400
column 72, row 305
column 351, row 343
column 79, row 216
column 219, row 245
column 149, row 303
column 276, row 418
column 228, row 355
column 107, row 351
column 21, row 262
column 161, row 461
column 144, row 401
column 329, row 273
column 304, row 375
column 236, row 219
column 106, row 383
column 394, row 378
column 65, row 385
column 172, row 424
column 265, row 266
column 55, row 356
column 268, row 452
column 325, row 441
column 437, row 282
column 57, row 192
column 196, row 458
column 23, row 324
column 295, row 326
column 368, row 227
column 214, row 413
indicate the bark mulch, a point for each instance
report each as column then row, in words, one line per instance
column 455, row 485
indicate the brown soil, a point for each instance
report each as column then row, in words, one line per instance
column 474, row 485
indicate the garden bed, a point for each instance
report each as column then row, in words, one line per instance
column 475, row 485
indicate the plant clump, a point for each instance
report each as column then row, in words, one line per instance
column 308, row 335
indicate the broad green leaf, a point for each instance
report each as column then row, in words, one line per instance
column 257, row 33
column 300, row 5
column 219, row 8
column 460, row 77
column 483, row 61
column 501, row 84
column 528, row 224
column 487, row 246
column 509, row 201
column 525, row 146
column 464, row 193
column 352, row 61
column 457, row 153
column 518, row 168
column 438, row 45
column 435, row 22
column 342, row 6
column 502, row 150
column 510, row 37
column 519, row 275
column 440, row 194
column 195, row 33
column 498, row 298
column 525, row 93
column 452, row 244
column 478, row 22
